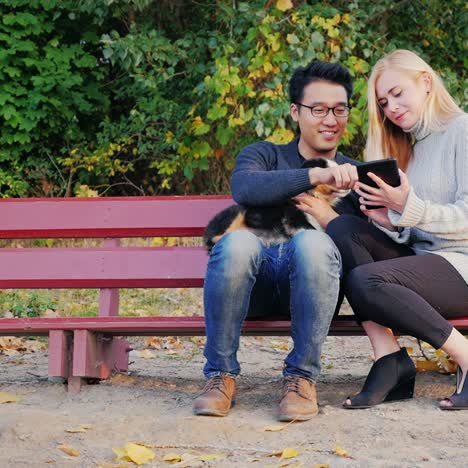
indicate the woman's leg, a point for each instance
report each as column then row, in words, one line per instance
column 413, row 295
column 361, row 243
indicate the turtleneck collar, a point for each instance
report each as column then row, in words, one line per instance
column 418, row 131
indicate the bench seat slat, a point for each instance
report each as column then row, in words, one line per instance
column 168, row 326
column 107, row 267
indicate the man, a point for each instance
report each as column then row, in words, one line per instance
column 300, row 277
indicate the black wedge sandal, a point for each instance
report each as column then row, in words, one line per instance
column 459, row 399
column 391, row 378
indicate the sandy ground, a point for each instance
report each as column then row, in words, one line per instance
column 153, row 405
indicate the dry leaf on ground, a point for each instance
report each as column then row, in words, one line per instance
column 80, row 428
column 146, row 354
column 289, row 453
column 6, row 397
column 341, row 452
column 211, row 456
column 135, row 453
column 69, row 451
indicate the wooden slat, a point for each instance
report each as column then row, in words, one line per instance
column 129, row 267
column 108, row 217
column 168, row 326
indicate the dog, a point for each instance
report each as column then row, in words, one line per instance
column 276, row 224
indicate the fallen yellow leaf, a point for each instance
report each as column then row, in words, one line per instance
column 341, row 452
column 121, row 453
column 139, row 454
column 69, row 451
column 211, row 456
column 423, row 365
column 80, row 428
column 321, row 465
column 146, row 354
column 74, row 430
column 276, row 428
column 289, row 453
column 6, row 397
column 172, row 457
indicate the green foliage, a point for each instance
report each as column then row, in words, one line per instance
column 35, row 306
column 141, row 97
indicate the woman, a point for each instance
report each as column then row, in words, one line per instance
column 407, row 270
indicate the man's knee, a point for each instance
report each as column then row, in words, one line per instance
column 238, row 248
column 315, row 248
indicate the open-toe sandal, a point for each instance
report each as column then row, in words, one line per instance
column 459, row 400
column 391, row 378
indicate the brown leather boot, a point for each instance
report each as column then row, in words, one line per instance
column 299, row 400
column 217, row 397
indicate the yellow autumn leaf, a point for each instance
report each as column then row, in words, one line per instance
column 73, row 430
column 276, row 428
column 139, row 454
column 284, row 5
column 289, row 453
column 80, row 428
column 146, row 354
column 172, row 457
column 6, row 397
column 448, row 364
column 341, row 452
column 121, row 453
column 169, row 137
column 211, row 456
column 422, row 365
column 321, row 465
column 69, row 451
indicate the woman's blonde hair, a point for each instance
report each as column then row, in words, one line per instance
column 385, row 139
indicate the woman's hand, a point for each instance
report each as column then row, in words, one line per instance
column 319, row 209
column 380, row 216
column 343, row 176
column 386, row 195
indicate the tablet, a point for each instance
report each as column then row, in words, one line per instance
column 386, row 169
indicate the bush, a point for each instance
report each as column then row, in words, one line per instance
column 138, row 97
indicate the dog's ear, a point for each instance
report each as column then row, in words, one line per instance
column 316, row 162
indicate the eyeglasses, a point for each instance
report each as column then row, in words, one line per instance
column 340, row 112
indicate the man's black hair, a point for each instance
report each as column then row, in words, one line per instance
column 319, row 71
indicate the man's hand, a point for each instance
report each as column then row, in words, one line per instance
column 343, row 176
column 386, row 195
column 319, row 209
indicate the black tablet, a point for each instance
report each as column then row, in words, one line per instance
column 386, row 169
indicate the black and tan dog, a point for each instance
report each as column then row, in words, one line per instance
column 273, row 224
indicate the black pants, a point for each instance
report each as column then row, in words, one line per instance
column 387, row 283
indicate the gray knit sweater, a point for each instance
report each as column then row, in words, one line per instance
column 435, row 217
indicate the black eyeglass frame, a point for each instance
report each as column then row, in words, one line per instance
column 328, row 110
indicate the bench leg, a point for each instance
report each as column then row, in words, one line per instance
column 60, row 343
column 97, row 356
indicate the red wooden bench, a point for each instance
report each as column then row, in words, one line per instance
column 92, row 347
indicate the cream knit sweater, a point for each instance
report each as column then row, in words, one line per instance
column 435, row 218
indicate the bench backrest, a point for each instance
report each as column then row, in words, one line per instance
column 108, row 217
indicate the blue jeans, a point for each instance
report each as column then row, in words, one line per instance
column 300, row 278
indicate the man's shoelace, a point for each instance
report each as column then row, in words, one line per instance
column 293, row 384
column 216, row 383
